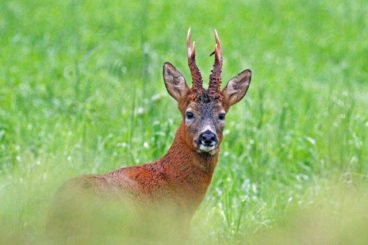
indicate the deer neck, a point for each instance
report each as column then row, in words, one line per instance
column 188, row 171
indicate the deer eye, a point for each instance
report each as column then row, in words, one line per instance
column 221, row 116
column 189, row 115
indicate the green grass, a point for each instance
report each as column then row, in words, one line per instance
column 81, row 92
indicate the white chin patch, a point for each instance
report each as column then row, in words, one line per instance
column 208, row 149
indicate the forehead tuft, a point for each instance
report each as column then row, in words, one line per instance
column 205, row 103
column 204, row 97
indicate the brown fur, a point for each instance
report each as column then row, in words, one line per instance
column 180, row 178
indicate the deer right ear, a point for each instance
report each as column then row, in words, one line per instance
column 174, row 81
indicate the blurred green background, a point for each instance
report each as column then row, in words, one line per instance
column 81, row 91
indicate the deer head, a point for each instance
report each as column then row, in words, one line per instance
column 204, row 110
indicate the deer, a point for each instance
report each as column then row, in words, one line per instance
column 183, row 175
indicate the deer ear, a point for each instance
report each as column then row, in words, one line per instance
column 174, row 81
column 237, row 87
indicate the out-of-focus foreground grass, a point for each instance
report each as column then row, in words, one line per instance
column 81, row 92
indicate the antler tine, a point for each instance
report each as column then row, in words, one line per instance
column 189, row 43
column 215, row 77
column 218, row 45
column 196, row 74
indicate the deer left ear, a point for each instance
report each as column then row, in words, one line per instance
column 237, row 87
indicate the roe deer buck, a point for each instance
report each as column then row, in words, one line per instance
column 183, row 175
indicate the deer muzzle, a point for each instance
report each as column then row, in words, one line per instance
column 207, row 142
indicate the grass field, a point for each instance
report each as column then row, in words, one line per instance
column 81, row 91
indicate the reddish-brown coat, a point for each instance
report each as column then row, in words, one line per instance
column 180, row 178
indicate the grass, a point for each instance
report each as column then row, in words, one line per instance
column 81, row 92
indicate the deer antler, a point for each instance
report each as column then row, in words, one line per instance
column 215, row 77
column 196, row 74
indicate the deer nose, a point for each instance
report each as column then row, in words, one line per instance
column 208, row 138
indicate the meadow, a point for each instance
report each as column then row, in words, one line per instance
column 81, row 92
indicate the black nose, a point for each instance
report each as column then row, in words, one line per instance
column 208, row 138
